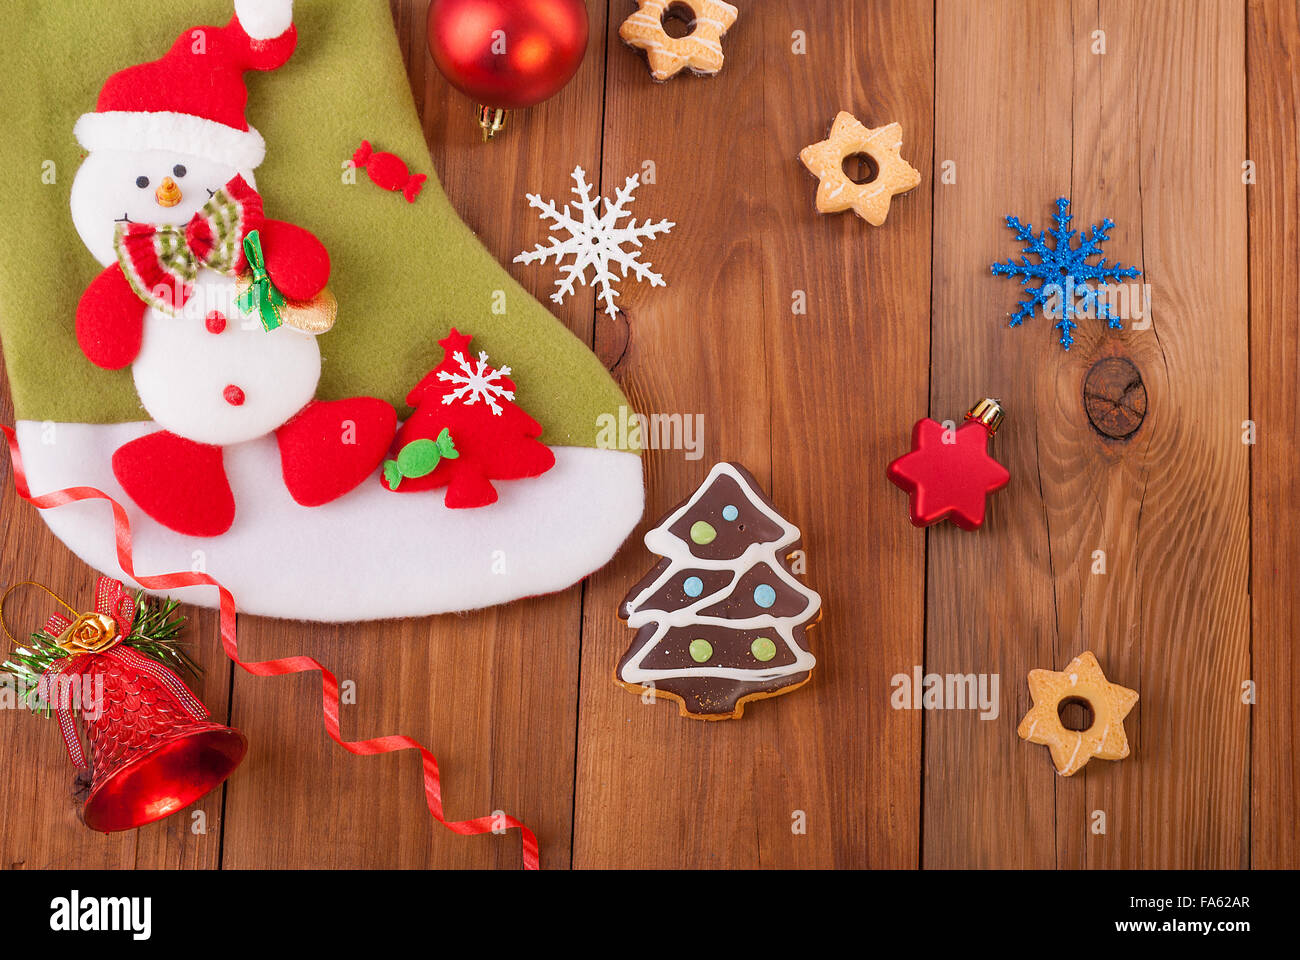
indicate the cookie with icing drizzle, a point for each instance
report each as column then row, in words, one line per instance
column 699, row 51
column 1082, row 681
column 720, row 620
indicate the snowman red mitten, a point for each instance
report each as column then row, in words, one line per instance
column 110, row 320
column 298, row 263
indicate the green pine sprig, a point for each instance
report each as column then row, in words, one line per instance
column 155, row 632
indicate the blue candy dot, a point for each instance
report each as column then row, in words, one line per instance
column 729, row 512
column 693, row 586
column 764, row 595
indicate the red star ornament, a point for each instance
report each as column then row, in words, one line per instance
column 949, row 473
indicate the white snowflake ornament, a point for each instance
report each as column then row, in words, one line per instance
column 477, row 382
column 595, row 241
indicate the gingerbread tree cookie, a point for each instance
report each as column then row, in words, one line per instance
column 720, row 620
column 700, row 50
column 1082, row 680
column 848, row 138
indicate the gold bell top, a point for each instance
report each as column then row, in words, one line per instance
column 988, row 412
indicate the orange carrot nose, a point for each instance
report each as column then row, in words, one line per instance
column 169, row 194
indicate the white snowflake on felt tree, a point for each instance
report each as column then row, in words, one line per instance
column 477, row 382
column 595, row 241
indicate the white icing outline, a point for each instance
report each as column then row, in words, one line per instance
column 659, row 541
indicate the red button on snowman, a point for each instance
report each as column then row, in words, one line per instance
column 166, row 201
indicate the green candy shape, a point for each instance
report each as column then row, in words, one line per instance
column 419, row 458
column 763, row 649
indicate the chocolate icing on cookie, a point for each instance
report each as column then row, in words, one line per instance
column 720, row 619
column 711, row 531
column 759, row 591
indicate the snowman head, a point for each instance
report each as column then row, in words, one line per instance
column 142, row 186
column 168, row 134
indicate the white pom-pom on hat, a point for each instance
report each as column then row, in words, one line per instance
column 264, row 19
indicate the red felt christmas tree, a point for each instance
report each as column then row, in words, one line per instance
column 466, row 431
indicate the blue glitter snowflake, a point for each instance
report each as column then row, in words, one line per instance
column 1064, row 273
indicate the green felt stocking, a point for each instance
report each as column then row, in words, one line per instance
column 403, row 274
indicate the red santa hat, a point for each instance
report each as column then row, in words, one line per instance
column 192, row 100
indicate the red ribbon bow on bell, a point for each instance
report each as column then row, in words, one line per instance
column 96, row 632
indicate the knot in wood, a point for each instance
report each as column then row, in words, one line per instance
column 1115, row 397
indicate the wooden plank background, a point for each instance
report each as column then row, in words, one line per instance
column 1178, row 120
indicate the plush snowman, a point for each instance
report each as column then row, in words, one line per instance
column 166, row 201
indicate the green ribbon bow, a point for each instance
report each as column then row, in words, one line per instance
column 261, row 299
column 419, row 458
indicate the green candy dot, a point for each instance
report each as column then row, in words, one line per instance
column 701, row 650
column 702, row 532
column 763, row 649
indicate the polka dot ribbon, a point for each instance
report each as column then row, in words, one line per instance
column 270, row 668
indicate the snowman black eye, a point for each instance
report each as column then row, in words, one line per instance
column 142, row 182
column 179, row 170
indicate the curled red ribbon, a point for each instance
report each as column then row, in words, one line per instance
column 269, row 668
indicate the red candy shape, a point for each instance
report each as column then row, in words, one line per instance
column 215, row 321
column 234, row 396
column 389, row 171
column 948, row 480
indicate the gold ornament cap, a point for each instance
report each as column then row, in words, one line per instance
column 492, row 120
column 988, row 412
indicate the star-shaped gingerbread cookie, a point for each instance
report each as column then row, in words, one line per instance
column 1109, row 702
column 700, row 50
column 836, row 191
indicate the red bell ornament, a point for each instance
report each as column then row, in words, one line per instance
column 131, row 726
column 153, row 750
column 507, row 54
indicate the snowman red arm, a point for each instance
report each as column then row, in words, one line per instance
column 110, row 320
column 298, row 263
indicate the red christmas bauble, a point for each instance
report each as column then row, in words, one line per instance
column 508, row 53
column 949, row 473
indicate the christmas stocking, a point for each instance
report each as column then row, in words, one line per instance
column 271, row 367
